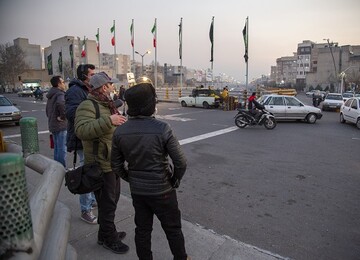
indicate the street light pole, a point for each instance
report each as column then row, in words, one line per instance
column 142, row 60
column 332, row 55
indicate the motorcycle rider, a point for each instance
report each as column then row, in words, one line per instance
column 253, row 107
column 38, row 93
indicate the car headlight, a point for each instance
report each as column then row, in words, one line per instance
column 16, row 113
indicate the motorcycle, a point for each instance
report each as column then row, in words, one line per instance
column 244, row 118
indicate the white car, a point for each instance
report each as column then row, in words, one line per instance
column 350, row 111
column 290, row 108
column 332, row 101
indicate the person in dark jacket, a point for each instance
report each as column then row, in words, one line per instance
column 55, row 111
column 147, row 145
column 77, row 92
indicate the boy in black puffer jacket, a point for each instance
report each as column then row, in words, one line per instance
column 146, row 144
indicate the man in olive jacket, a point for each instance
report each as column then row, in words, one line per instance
column 91, row 129
column 148, row 145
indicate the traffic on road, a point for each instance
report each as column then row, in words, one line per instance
column 293, row 191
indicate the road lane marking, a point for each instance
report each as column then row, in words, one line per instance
column 182, row 142
column 207, row 135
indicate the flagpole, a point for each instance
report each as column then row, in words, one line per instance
column 85, row 57
column 155, row 55
column 180, row 53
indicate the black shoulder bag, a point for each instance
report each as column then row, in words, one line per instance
column 89, row 177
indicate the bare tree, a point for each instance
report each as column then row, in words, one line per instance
column 12, row 63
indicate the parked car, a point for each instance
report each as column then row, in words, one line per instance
column 9, row 113
column 332, row 101
column 350, row 111
column 201, row 97
column 290, row 108
column 26, row 92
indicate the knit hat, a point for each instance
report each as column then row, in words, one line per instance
column 100, row 79
column 141, row 100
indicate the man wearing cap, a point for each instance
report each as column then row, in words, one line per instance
column 91, row 129
column 146, row 144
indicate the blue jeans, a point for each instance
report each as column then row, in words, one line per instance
column 87, row 199
column 60, row 147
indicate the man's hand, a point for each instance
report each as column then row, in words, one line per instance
column 117, row 119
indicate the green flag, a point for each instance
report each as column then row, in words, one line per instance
column 246, row 39
column 211, row 35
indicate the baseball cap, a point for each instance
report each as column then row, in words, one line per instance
column 100, row 79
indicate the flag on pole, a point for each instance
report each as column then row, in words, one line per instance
column 98, row 40
column 83, row 51
column 60, row 61
column 132, row 33
column 49, row 64
column 246, row 39
column 180, row 39
column 153, row 31
column 71, row 51
column 112, row 30
column 211, row 35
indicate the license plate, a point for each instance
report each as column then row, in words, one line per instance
column 5, row 118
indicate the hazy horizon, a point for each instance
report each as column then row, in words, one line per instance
column 275, row 28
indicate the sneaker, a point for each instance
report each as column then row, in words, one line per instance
column 121, row 236
column 116, row 247
column 89, row 217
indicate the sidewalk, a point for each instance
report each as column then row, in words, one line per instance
column 201, row 244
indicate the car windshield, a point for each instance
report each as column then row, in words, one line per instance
column 5, row 102
column 334, row 97
column 348, row 95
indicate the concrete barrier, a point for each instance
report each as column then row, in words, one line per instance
column 50, row 220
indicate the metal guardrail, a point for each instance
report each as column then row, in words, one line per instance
column 42, row 223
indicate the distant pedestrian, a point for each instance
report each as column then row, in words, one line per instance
column 77, row 92
column 55, row 111
column 141, row 149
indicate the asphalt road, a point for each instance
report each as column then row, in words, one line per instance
column 293, row 190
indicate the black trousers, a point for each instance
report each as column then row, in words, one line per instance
column 166, row 209
column 107, row 198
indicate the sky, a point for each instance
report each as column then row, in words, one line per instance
column 275, row 28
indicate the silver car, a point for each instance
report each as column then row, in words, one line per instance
column 9, row 113
column 290, row 108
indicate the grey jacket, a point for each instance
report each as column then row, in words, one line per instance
column 55, row 110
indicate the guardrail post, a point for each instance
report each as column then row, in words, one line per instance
column 16, row 230
column 29, row 135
